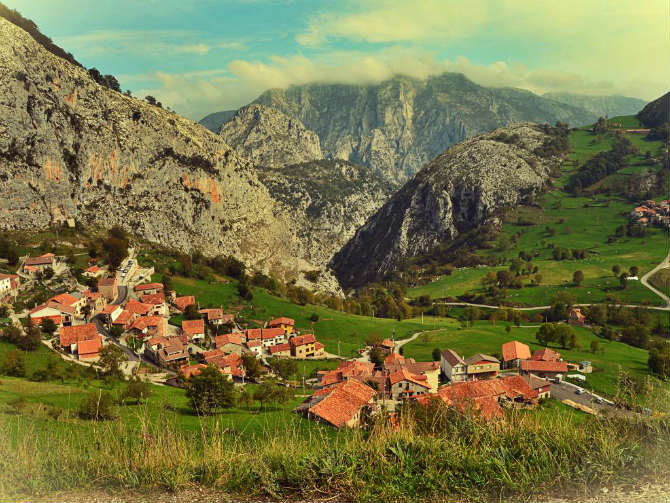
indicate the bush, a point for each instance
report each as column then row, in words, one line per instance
column 98, row 406
column 137, row 390
column 14, row 364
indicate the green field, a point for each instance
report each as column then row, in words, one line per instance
column 661, row 280
column 482, row 337
column 576, row 222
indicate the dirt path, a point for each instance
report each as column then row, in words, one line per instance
column 645, row 278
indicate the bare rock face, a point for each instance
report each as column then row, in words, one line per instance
column 269, row 138
column 328, row 201
column 459, row 190
column 70, row 148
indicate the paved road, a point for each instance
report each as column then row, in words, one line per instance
column 121, row 295
column 543, row 308
column 566, row 391
column 103, row 330
column 645, row 278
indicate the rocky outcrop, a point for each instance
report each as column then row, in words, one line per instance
column 657, row 112
column 269, row 138
column 458, row 191
column 70, row 148
column 602, row 106
column 214, row 121
column 397, row 126
column 328, row 201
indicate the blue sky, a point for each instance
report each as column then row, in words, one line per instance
column 207, row 55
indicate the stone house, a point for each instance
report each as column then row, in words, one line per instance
column 453, row 366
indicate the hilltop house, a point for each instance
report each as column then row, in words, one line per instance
column 255, row 346
column 215, row 317
column 93, row 271
column 157, row 302
column 182, row 303
column 575, row 317
column 539, row 385
column 546, row 355
column 166, row 351
column 148, row 288
column 283, row 349
column 148, row 326
column 513, row 353
column 302, row 346
column 272, row 336
column 9, row 285
column 404, row 384
column 229, row 343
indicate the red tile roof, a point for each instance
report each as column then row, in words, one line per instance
column 452, row 357
column 45, row 259
column 193, row 327
column 252, row 333
column 317, row 346
column 65, row 299
column 387, row 343
column 271, row 333
column 254, row 343
column 282, row 320
column 153, row 299
column 123, row 318
column 146, row 322
column 341, row 402
column 136, row 307
column 277, row 348
column 393, row 358
column 404, row 375
column 545, row 354
column 76, row 333
column 89, row 348
column 110, row 308
column 222, row 340
column 93, row 268
column 301, row 340
column 148, row 286
column 214, row 314
column 183, row 302
column 191, row 370
column 543, row 366
column 514, row 350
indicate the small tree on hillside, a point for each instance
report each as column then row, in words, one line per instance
column 634, row 270
column 437, row 354
column 111, row 357
column 14, row 364
column 137, row 390
column 251, row 365
column 210, row 391
column 31, row 341
column 616, row 269
column 578, row 277
column 98, row 406
column 191, row 312
column 48, row 326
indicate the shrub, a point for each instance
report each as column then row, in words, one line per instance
column 98, row 406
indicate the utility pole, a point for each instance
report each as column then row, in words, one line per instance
column 338, row 348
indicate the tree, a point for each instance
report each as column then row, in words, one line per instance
column 471, row 314
column 572, row 342
column 48, row 273
column 115, row 250
column 595, row 347
column 283, row 367
column 616, row 269
column 210, row 391
column 31, row 341
column 137, row 389
column 659, row 358
column 636, row 335
column 437, row 354
column 314, row 318
column 377, row 355
column 623, row 282
column 251, row 365
column 508, row 328
column 578, row 277
column 270, row 393
column 504, row 242
column 634, row 270
column 558, row 333
column 98, row 406
column 48, row 326
column 151, row 100
column 538, row 279
column 111, row 357
column 191, row 312
column 14, row 364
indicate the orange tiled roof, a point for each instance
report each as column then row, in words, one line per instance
column 193, row 327
column 153, row 299
column 514, row 350
column 277, row 348
column 191, row 370
column 123, row 318
column 252, row 333
column 341, row 402
column 404, row 375
column 546, row 355
column 544, row 366
column 183, row 302
column 136, row 307
column 89, row 347
column 76, row 333
column 301, row 340
column 282, row 320
column 271, row 333
column 45, row 259
column 93, row 268
column 222, row 340
column 146, row 321
column 110, row 308
column 148, row 286
column 254, row 343
column 393, row 358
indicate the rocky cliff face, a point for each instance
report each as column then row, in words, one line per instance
column 602, row 106
column 328, row 201
column 398, row 126
column 657, row 112
column 269, row 138
column 458, row 191
column 70, row 148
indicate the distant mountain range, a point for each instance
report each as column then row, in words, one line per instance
column 398, row 126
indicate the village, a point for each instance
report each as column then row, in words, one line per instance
column 652, row 213
column 125, row 310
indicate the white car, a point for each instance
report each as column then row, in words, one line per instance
column 579, row 391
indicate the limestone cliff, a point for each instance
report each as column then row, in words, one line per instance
column 70, row 148
column 270, row 138
column 458, row 191
column 398, row 126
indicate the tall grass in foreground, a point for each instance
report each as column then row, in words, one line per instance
column 425, row 459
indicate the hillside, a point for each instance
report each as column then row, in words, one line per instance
column 399, row 125
column 461, row 189
column 214, row 121
column 72, row 149
column 602, row 106
column 657, row 112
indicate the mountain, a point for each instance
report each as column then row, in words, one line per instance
column 401, row 124
column 71, row 148
column 657, row 112
column 461, row 189
column 214, row 121
column 602, row 106
column 328, row 201
column 270, row 138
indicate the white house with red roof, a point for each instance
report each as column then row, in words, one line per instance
column 84, row 340
column 9, row 285
column 193, row 330
column 272, row 336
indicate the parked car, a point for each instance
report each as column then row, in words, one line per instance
column 579, row 391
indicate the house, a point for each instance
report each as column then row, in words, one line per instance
column 485, row 397
column 216, row 317
column 272, row 336
column 319, row 349
column 347, row 370
column 575, row 317
column 60, row 314
column 252, row 334
column 137, row 308
column 453, row 366
column 193, row 330
column 95, row 301
column 255, row 346
column 9, row 285
column 403, row 384
column 191, row 370
column 148, row 288
column 157, row 301
column 544, row 369
column 182, row 303
column 481, row 366
column 230, row 365
column 111, row 312
column 148, row 326
column 302, row 346
column 68, row 300
column 229, row 343
column 283, row 349
column 83, row 340
column 541, row 386
column 124, row 320
column 344, row 404
column 108, row 287
column 286, row 324
column 428, row 370
column 34, row 265
column 166, row 351
column 393, row 358
column 387, row 344
column 93, row 271
column 513, row 353
column 545, row 355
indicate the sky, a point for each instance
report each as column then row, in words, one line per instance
column 202, row 56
